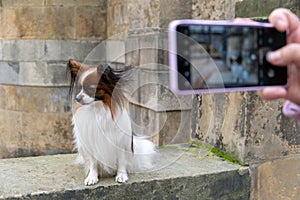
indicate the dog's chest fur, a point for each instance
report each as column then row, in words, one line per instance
column 104, row 138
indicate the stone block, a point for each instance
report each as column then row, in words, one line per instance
column 37, row 121
column 170, row 10
column 35, row 99
column 214, row 10
column 145, row 49
column 179, row 174
column 10, row 72
column 277, row 179
column 33, row 73
column 75, row 3
column 149, row 50
column 115, row 51
column 8, row 26
column 46, row 50
column 54, row 22
column 253, row 8
column 57, row 74
column 22, row 3
column 247, row 127
column 33, row 133
column 117, row 18
column 97, row 54
column 23, row 50
column 77, row 49
column 1, row 49
column 132, row 51
column 156, row 110
column 143, row 14
column 58, row 50
column 150, row 89
column 58, row 23
column 90, row 22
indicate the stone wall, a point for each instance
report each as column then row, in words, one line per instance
column 39, row 36
column 37, row 39
column 250, row 8
column 139, row 28
column 242, row 124
column 270, row 139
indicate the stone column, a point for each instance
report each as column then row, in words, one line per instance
column 141, row 28
column 37, row 39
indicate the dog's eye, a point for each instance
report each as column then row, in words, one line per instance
column 104, row 78
column 90, row 89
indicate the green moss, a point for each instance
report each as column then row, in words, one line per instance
column 198, row 144
column 195, row 145
column 224, row 156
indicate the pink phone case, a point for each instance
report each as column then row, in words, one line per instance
column 172, row 34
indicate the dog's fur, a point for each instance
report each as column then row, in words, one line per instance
column 102, row 126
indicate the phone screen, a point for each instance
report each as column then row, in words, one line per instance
column 227, row 56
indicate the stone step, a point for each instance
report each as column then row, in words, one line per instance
column 181, row 172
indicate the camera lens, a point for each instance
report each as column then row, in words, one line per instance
column 271, row 73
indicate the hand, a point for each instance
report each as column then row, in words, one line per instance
column 289, row 55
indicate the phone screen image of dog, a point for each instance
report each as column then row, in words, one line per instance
column 218, row 56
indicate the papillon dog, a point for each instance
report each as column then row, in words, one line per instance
column 102, row 127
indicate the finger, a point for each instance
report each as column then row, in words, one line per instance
column 289, row 54
column 271, row 93
column 283, row 19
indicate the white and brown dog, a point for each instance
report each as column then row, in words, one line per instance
column 102, row 126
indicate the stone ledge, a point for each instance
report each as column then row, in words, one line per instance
column 182, row 172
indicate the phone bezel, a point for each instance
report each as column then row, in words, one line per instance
column 173, row 75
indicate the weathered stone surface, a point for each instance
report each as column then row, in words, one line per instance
column 215, row 10
column 115, row 51
column 254, row 8
column 117, row 18
column 34, row 73
column 143, row 14
column 242, row 124
column 247, row 127
column 180, row 173
column 163, row 127
column 46, row 50
column 90, row 22
column 156, row 110
column 34, row 134
column 170, row 10
column 101, row 3
column 43, row 62
column 150, row 89
column 35, row 99
column 22, row 3
column 278, row 179
column 53, row 22
column 35, row 121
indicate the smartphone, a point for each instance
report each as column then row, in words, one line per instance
column 223, row 56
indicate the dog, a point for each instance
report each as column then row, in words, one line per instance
column 102, row 126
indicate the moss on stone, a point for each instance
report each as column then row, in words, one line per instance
column 225, row 156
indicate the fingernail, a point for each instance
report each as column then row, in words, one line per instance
column 274, row 56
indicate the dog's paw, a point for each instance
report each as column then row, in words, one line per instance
column 121, row 177
column 91, row 180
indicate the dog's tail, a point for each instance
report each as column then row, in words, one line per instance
column 145, row 154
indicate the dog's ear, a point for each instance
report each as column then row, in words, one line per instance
column 74, row 69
